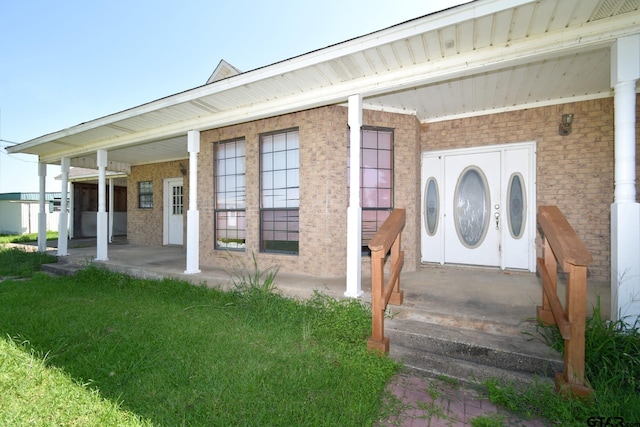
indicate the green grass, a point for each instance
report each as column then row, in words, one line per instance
column 177, row 354
column 17, row 263
column 612, row 368
column 30, row 390
column 23, row 238
column 491, row 420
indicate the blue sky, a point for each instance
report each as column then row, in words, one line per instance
column 63, row 63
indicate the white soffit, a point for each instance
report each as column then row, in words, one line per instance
column 477, row 58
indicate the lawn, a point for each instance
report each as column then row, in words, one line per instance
column 18, row 263
column 30, row 237
column 612, row 369
column 102, row 348
column 170, row 353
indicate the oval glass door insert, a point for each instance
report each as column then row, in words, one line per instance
column 471, row 210
column 432, row 207
column 517, row 206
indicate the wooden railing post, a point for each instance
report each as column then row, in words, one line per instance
column 378, row 341
column 563, row 247
column 387, row 238
column 572, row 379
column 396, row 297
column 551, row 264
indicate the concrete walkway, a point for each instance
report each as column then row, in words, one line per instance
column 430, row 402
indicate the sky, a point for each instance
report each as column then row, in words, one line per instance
column 67, row 62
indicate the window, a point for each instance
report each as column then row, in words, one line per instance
column 230, row 219
column 279, row 192
column 376, row 180
column 472, row 207
column 517, row 206
column 145, row 194
column 177, row 200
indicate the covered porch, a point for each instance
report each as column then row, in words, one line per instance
column 485, row 66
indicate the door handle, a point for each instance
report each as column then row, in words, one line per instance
column 497, row 215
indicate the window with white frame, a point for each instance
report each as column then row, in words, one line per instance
column 280, row 191
column 230, row 191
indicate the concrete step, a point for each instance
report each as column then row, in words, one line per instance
column 494, row 318
column 461, row 371
column 62, row 268
column 471, row 355
column 68, row 266
column 487, row 312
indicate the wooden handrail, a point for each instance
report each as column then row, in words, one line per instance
column 563, row 247
column 387, row 233
column 566, row 244
column 388, row 237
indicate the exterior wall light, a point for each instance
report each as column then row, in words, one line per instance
column 565, row 125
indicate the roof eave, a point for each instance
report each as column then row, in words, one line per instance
column 399, row 31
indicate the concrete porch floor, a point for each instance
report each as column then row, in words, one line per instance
column 478, row 298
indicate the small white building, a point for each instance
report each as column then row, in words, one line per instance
column 19, row 212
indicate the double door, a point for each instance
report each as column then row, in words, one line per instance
column 478, row 206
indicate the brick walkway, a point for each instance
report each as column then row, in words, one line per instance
column 428, row 402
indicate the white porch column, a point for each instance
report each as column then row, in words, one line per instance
column 64, row 217
column 42, row 213
column 354, row 211
column 101, row 220
column 111, row 213
column 193, row 215
column 625, row 210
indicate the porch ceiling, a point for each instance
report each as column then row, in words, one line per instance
column 479, row 58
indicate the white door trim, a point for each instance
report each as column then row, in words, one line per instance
column 482, row 149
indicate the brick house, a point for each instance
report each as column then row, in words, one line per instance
column 468, row 118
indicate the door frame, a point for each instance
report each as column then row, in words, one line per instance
column 531, row 193
column 166, row 205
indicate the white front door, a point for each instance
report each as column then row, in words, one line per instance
column 478, row 206
column 173, row 209
column 472, row 208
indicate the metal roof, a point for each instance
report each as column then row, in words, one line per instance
column 29, row 197
column 479, row 58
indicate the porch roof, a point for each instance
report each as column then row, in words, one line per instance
column 482, row 57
